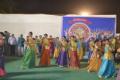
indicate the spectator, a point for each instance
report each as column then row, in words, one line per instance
column 12, row 42
column 6, row 45
column 21, row 42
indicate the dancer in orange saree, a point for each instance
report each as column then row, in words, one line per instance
column 45, row 58
column 95, row 60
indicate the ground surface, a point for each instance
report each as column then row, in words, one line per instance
column 53, row 72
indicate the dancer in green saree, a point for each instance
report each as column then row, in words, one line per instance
column 29, row 54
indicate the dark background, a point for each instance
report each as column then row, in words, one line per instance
column 61, row 7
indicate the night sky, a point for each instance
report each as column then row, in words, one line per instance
column 61, row 7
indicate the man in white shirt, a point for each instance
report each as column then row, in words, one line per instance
column 12, row 42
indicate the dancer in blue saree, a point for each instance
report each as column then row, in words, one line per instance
column 107, row 68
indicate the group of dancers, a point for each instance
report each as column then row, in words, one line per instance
column 69, row 52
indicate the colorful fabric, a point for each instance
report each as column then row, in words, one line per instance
column 107, row 68
column 63, row 56
column 29, row 58
column 56, row 52
column 51, row 47
column 74, row 61
column 63, row 59
column 2, row 69
column 2, row 65
column 45, row 59
column 94, row 62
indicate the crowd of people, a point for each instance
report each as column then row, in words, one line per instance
column 103, row 53
column 13, row 46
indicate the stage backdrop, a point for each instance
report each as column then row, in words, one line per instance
column 87, row 26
